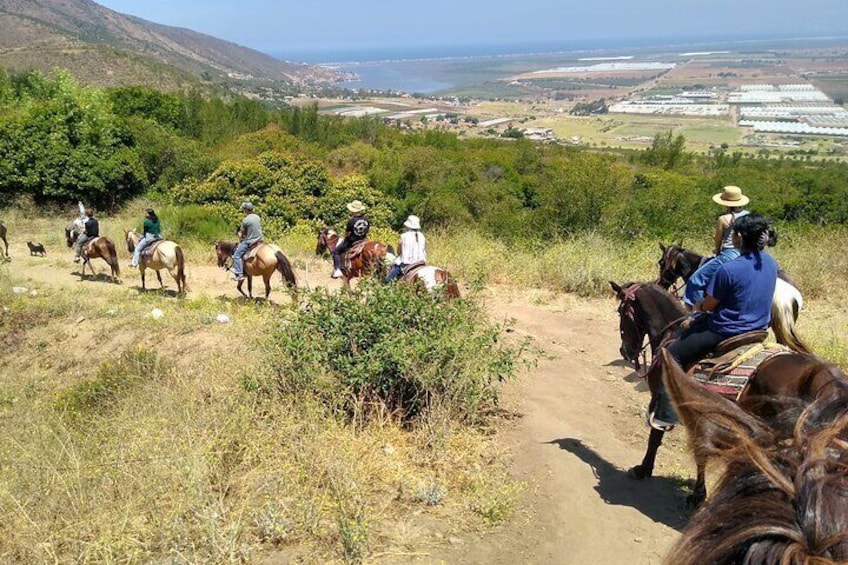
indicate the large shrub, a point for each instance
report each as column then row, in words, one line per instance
column 392, row 347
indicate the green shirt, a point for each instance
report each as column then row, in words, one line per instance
column 151, row 227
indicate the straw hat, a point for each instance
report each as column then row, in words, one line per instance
column 356, row 207
column 731, row 196
column 413, row 222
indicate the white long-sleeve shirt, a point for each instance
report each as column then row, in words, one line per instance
column 412, row 247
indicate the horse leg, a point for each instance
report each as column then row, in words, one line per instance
column 143, row 285
column 267, row 280
column 238, row 286
column 699, row 491
column 159, row 276
column 645, row 469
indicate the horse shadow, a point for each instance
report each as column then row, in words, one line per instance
column 633, row 376
column 167, row 292
column 661, row 499
column 244, row 300
column 98, row 277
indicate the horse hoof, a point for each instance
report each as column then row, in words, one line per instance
column 639, row 473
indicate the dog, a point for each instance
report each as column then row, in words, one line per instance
column 36, row 249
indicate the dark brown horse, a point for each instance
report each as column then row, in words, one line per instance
column 679, row 263
column 371, row 260
column 3, row 237
column 783, row 496
column 263, row 261
column 648, row 310
column 99, row 247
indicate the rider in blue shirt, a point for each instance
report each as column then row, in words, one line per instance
column 738, row 300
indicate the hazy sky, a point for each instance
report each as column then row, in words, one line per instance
column 278, row 26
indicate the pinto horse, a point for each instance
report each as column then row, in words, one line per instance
column 262, row 261
column 433, row 279
column 3, row 237
column 679, row 263
column 167, row 255
column 648, row 310
column 783, row 495
column 99, row 247
column 371, row 260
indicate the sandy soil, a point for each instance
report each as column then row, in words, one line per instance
column 578, row 427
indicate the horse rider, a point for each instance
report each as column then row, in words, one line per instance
column 151, row 231
column 411, row 248
column 90, row 230
column 738, row 300
column 249, row 233
column 357, row 230
column 78, row 225
column 733, row 200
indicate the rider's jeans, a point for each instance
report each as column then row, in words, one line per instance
column 238, row 261
column 143, row 242
column 78, row 244
column 697, row 283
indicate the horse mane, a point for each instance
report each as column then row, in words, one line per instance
column 656, row 302
column 783, row 497
column 227, row 246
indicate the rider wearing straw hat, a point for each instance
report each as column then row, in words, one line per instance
column 411, row 248
column 357, row 230
column 732, row 198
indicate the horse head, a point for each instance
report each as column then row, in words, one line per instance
column 224, row 251
column 630, row 327
column 132, row 239
column 676, row 262
column 326, row 239
column 70, row 236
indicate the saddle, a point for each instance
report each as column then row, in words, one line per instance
column 733, row 363
column 253, row 250
column 355, row 251
column 410, row 271
column 147, row 252
column 89, row 243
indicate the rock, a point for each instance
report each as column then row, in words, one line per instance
column 111, row 312
column 157, row 314
column 81, row 319
column 19, row 290
column 454, row 541
column 222, row 319
column 388, row 449
column 33, row 293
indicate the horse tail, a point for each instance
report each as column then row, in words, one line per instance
column 285, row 269
column 785, row 308
column 113, row 257
column 181, row 276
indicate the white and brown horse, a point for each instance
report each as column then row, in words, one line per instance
column 364, row 258
column 263, row 261
column 98, row 247
column 432, row 278
column 166, row 255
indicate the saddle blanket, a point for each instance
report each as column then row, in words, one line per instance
column 729, row 374
column 148, row 251
column 254, row 249
column 423, row 273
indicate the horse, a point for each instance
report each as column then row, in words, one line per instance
column 783, row 495
column 648, row 310
column 167, row 255
column 433, row 279
column 370, row 260
column 679, row 263
column 99, row 247
column 3, row 237
column 263, row 261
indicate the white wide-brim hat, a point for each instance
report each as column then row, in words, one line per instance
column 413, row 223
column 731, row 196
column 356, row 206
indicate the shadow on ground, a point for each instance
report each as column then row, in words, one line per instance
column 661, row 499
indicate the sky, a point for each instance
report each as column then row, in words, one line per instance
column 283, row 26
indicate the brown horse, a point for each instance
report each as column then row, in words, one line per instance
column 433, row 279
column 262, row 261
column 649, row 310
column 371, row 260
column 99, row 247
column 167, row 255
column 679, row 263
column 783, row 496
column 3, row 237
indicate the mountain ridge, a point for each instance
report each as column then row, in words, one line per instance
column 101, row 46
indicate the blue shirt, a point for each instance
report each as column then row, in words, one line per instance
column 744, row 288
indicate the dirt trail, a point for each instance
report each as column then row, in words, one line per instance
column 579, row 428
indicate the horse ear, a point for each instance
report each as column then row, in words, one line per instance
column 617, row 289
column 680, row 242
column 716, row 426
column 662, row 247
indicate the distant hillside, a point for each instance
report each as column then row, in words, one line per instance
column 103, row 47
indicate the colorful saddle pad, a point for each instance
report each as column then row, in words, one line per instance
column 729, row 373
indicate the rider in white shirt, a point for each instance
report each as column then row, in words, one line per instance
column 411, row 248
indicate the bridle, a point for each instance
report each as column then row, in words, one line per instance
column 672, row 269
column 627, row 310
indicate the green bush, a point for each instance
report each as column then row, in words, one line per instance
column 392, row 347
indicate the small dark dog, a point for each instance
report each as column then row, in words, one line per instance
column 36, row 249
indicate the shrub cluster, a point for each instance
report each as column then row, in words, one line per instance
column 392, row 347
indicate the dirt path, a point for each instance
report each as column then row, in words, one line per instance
column 579, row 428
